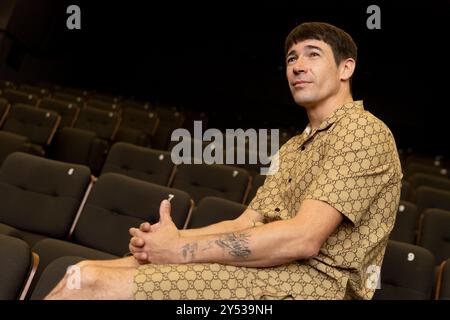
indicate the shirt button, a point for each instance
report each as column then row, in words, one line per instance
column 303, row 148
column 290, row 179
column 277, row 209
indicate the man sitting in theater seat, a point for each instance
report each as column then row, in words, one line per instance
column 316, row 229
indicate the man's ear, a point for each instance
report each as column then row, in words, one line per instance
column 347, row 68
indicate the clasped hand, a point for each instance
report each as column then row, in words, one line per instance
column 157, row 243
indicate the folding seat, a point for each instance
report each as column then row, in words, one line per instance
column 11, row 142
column 16, row 96
column 36, row 91
column 435, row 233
column 92, row 136
column 169, row 121
column 406, row 223
column 103, row 105
column 413, row 168
column 407, row 273
column 67, row 110
column 83, row 94
column 103, row 123
column 38, row 125
column 212, row 180
column 153, row 166
column 79, row 100
column 52, row 274
column 17, row 268
column 443, row 281
column 40, row 197
column 421, row 179
column 137, row 127
column 257, row 182
column 134, row 104
column 406, row 191
column 428, row 198
column 212, row 210
column 115, row 204
column 435, row 161
column 105, row 98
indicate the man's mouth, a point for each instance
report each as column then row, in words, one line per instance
column 300, row 83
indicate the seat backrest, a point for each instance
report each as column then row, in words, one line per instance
column 37, row 91
column 117, row 203
column 406, row 223
column 414, row 168
column 405, row 193
column 443, row 281
column 145, row 121
column 435, row 233
column 16, row 96
column 212, row 210
column 69, row 98
column 103, row 123
column 138, row 162
column 134, row 104
column 103, row 105
column 428, row 198
column 11, row 142
column 201, row 180
column 67, row 110
column 15, row 266
column 38, row 125
column 423, row 179
column 407, row 273
column 41, row 195
column 257, row 182
column 4, row 109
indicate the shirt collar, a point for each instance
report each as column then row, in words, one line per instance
column 347, row 108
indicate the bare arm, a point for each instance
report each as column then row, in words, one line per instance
column 271, row 244
column 247, row 219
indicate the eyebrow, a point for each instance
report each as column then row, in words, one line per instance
column 309, row 47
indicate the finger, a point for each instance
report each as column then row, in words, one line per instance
column 141, row 256
column 137, row 242
column 133, row 232
column 145, row 227
column 164, row 211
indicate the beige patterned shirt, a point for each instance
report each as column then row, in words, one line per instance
column 351, row 163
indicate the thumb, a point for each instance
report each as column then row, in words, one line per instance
column 164, row 212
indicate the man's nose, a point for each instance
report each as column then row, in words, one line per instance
column 299, row 66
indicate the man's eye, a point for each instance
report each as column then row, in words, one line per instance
column 290, row 60
column 314, row 54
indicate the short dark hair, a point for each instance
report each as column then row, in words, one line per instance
column 341, row 42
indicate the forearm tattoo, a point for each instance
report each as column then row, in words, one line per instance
column 236, row 244
column 189, row 250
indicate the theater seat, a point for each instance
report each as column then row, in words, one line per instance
column 443, row 281
column 407, row 273
column 435, row 233
column 54, row 272
column 138, row 162
column 406, row 223
column 212, row 210
column 115, row 204
column 17, row 267
column 40, row 196
column 203, row 180
column 67, row 110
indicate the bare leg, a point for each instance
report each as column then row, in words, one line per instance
column 127, row 262
column 97, row 282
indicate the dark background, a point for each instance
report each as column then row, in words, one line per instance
column 227, row 58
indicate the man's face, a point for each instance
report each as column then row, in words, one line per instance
column 312, row 73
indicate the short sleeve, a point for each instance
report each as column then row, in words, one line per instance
column 359, row 161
